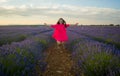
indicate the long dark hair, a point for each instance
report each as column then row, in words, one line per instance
column 64, row 22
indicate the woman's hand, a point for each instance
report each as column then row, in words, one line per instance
column 45, row 24
column 76, row 24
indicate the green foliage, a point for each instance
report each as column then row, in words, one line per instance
column 73, row 43
column 99, row 64
column 14, row 67
column 9, row 40
column 107, row 41
column 92, row 61
column 10, row 65
column 41, row 41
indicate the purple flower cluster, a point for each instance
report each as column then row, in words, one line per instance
column 20, row 58
column 10, row 34
column 106, row 34
column 95, row 59
column 91, row 57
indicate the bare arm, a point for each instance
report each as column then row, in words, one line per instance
column 45, row 24
column 53, row 26
column 76, row 24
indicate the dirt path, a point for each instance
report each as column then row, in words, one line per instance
column 59, row 62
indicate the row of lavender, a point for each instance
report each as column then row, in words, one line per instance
column 93, row 58
column 20, row 58
column 10, row 34
column 106, row 34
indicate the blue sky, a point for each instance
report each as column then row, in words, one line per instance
column 94, row 3
column 49, row 11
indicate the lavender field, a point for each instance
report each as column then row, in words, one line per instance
column 95, row 50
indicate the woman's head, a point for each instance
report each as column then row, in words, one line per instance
column 61, row 21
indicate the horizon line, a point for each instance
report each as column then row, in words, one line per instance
column 51, row 24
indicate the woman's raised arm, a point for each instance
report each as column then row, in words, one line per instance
column 76, row 24
column 45, row 24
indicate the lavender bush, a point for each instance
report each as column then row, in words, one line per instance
column 106, row 34
column 95, row 59
column 19, row 58
column 90, row 53
column 9, row 34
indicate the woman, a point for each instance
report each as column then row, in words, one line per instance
column 60, row 34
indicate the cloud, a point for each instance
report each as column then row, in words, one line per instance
column 1, row 1
column 88, row 13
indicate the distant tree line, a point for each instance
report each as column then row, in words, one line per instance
column 104, row 25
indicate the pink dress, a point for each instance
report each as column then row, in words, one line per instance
column 60, row 32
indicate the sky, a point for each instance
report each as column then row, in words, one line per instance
column 49, row 11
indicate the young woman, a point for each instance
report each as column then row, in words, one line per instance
column 60, row 34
